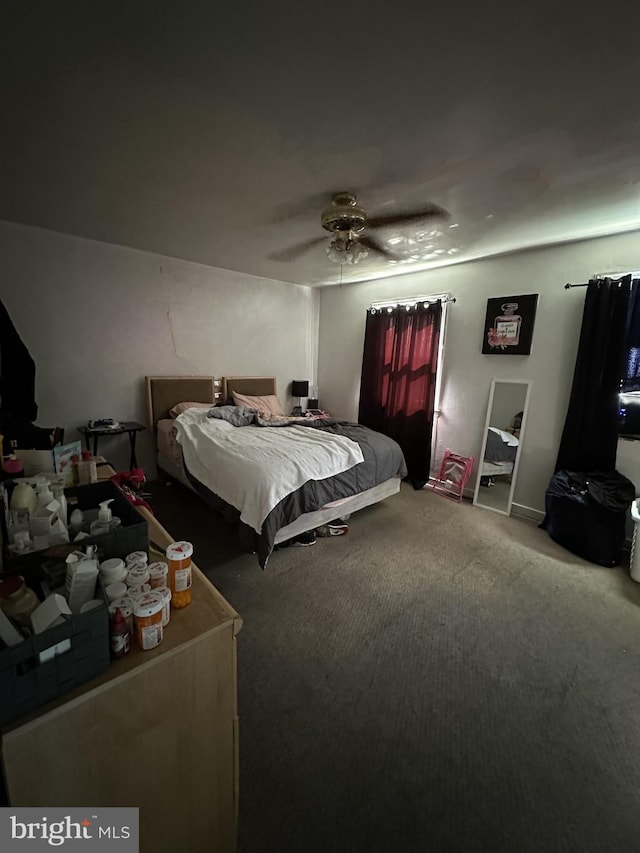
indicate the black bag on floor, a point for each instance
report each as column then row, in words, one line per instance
column 587, row 513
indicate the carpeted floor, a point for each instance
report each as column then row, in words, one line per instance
column 441, row 679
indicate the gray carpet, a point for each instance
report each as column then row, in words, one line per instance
column 440, row 679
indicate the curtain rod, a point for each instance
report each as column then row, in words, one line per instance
column 413, row 300
column 598, row 276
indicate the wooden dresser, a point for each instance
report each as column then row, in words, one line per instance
column 158, row 730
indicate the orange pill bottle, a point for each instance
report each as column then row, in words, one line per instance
column 179, row 559
column 147, row 613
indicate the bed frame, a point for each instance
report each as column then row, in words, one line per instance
column 164, row 392
column 254, row 386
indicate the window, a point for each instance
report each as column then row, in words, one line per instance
column 629, row 396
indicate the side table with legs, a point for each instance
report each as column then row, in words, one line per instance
column 130, row 427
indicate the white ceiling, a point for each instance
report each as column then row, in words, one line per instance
column 195, row 132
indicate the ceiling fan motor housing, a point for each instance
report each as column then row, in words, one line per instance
column 344, row 214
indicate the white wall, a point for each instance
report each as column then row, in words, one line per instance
column 98, row 318
column 466, row 372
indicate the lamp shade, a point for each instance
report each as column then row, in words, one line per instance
column 300, row 388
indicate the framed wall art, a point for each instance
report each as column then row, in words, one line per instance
column 508, row 325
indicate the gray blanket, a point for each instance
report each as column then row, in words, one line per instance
column 383, row 459
column 241, row 416
column 497, row 450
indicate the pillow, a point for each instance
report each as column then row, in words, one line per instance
column 266, row 406
column 179, row 408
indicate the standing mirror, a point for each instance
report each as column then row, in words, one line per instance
column 501, row 443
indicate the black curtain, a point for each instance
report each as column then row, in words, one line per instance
column 590, row 437
column 17, row 373
column 397, row 388
column 18, row 407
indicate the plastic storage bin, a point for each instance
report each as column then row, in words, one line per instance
column 131, row 535
column 26, row 683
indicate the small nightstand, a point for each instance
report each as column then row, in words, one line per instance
column 130, row 427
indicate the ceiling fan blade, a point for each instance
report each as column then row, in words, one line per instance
column 294, row 252
column 376, row 247
column 428, row 212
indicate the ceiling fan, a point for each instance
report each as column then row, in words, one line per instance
column 347, row 221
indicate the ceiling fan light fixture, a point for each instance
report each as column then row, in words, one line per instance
column 346, row 251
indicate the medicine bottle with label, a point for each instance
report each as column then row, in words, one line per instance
column 179, row 559
column 119, row 634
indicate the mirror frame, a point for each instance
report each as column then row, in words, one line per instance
column 516, row 464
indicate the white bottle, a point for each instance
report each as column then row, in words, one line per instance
column 76, row 520
column 45, row 495
column 23, row 497
column 105, row 521
column 59, row 495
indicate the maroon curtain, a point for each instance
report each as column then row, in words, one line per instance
column 397, row 387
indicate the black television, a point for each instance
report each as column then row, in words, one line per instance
column 629, row 410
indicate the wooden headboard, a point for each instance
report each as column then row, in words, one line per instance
column 163, row 392
column 255, row 386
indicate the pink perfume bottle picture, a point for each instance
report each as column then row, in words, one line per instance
column 506, row 327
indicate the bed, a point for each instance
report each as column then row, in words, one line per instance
column 500, row 454
column 314, row 503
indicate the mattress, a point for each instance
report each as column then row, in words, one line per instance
column 168, row 446
column 255, row 465
column 316, row 501
column 501, row 449
column 495, row 469
column 169, row 460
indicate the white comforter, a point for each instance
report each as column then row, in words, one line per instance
column 253, row 468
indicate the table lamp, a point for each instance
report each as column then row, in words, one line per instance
column 299, row 388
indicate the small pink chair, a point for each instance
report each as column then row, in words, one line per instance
column 455, row 470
